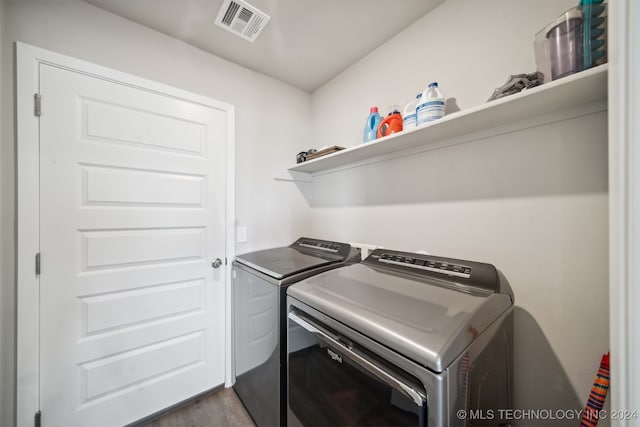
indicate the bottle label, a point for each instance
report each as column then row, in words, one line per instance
column 409, row 121
column 429, row 111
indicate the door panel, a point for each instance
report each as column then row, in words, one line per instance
column 119, row 124
column 107, row 186
column 108, row 249
column 132, row 212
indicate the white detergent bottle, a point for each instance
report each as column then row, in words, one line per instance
column 409, row 118
column 431, row 105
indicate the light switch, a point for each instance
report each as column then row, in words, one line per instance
column 241, row 234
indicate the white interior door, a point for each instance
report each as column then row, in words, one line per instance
column 132, row 213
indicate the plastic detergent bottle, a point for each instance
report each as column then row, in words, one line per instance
column 371, row 127
column 431, row 105
column 409, row 118
column 391, row 124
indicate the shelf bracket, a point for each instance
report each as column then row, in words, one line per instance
column 298, row 177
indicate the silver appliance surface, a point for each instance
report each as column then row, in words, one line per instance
column 425, row 321
column 282, row 262
column 302, row 255
column 406, row 339
column 260, row 280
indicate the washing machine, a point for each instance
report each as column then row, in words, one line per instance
column 260, row 282
column 401, row 339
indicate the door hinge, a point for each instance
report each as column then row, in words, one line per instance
column 38, row 264
column 37, row 104
column 225, row 261
column 37, row 419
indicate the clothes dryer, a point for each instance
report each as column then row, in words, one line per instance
column 401, row 339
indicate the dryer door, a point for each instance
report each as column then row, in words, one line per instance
column 334, row 382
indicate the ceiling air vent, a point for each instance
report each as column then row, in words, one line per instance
column 242, row 19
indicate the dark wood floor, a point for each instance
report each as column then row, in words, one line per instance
column 221, row 408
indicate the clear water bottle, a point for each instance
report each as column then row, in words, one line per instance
column 431, row 105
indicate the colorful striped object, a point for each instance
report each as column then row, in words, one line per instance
column 598, row 394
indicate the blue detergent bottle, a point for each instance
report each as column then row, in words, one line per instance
column 371, row 127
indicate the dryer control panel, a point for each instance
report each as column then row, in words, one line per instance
column 433, row 265
column 459, row 272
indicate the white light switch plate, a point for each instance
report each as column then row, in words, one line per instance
column 241, row 234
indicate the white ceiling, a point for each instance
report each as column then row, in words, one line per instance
column 306, row 43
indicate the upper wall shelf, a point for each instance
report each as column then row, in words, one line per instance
column 575, row 90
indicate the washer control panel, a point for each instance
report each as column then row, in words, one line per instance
column 319, row 244
column 326, row 249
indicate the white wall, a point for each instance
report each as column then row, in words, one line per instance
column 264, row 146
column 468, row 47
column 532, row 202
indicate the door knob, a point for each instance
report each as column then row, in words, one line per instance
column 216, row 263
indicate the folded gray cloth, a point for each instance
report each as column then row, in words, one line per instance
column 517, row 83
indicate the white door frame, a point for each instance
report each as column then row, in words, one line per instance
column 624, row 206
column 29, row 59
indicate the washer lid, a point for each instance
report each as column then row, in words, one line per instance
column 302, row 255
column 282, row 262
column 422, row 319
